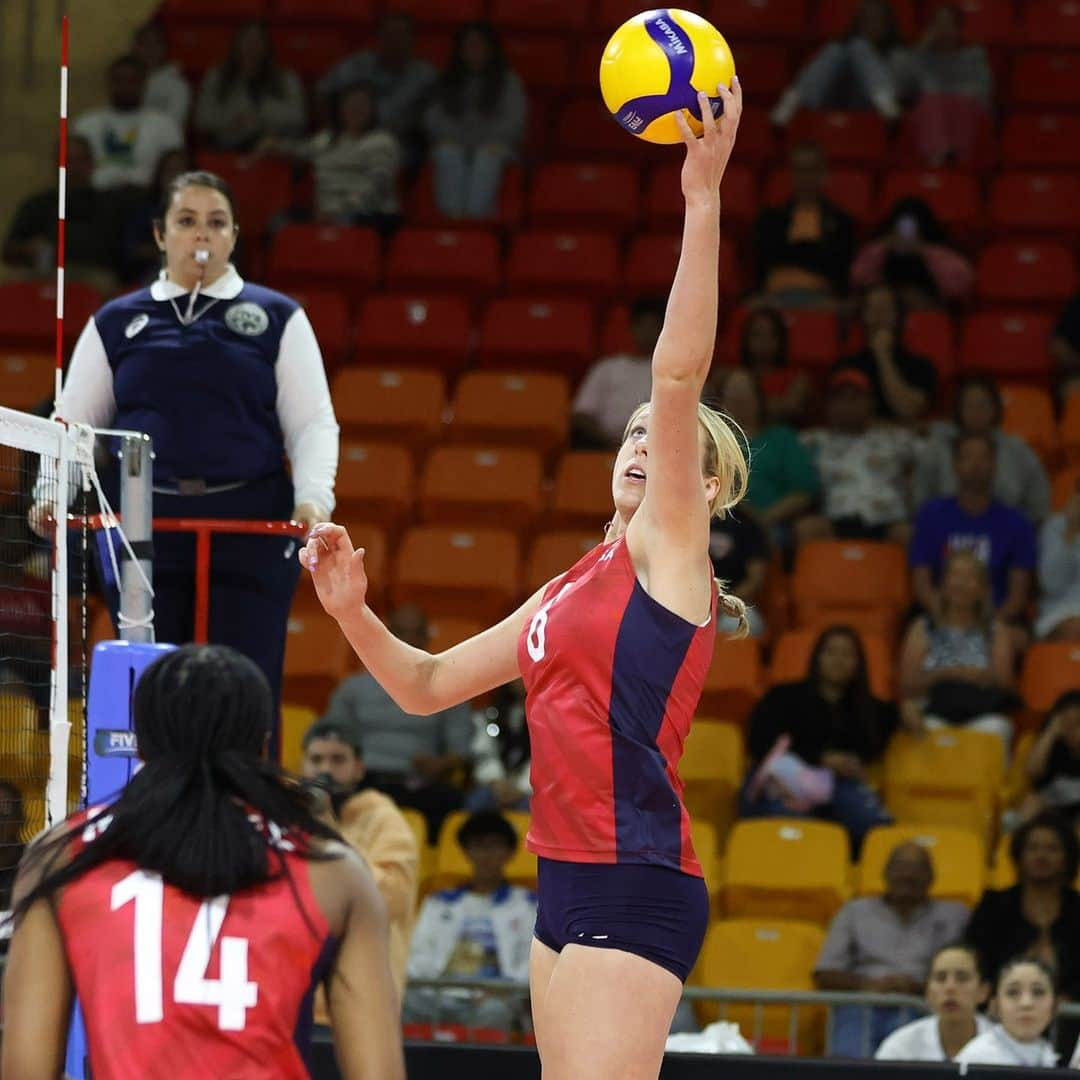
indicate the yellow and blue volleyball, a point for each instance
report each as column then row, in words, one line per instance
column 653, row 67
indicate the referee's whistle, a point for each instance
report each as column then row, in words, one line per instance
column 202, row 256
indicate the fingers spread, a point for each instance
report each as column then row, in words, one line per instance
column 684, row 128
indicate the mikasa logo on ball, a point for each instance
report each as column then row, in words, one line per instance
column 247, row 318
column 672, row 35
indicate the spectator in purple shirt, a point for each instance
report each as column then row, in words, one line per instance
column 973, row 520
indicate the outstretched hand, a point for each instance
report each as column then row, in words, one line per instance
column 336, row 569
column 707, row 157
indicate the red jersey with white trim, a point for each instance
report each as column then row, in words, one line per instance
column 612, row 681
column 172, row 985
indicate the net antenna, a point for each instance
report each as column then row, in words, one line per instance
column 61, row 213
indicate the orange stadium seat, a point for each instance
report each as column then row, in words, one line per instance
column 850, row 189
column 262, row 186
column 582, row 496
column 565, row 195
column 958, row 855
column 328, row 313
column 469, row 573
column 553, row 553
column 388, row 403
column 1066, row 481
column 375, row 483
column 316, row 659
column 1070, row 430
column 664, row 203
column 28, row 313
column 792, row 651
column 549, row 335
column 735, row 678
column 1010, row 345
column 1051, row 24
column 332, row 256
column 486, row 487
column 1023, row 274
column 859, row 138
column 1044, row 78
column 1029, row 414
column 1048, row 140
column 446, row 631
column 373, row 539
column 28, row 379
column 711, row 770
column 541, row 60
column 953, row 196
column 407, row 328
column 510, row 409
column 461, row 261
column 1035, row 202
column 1050, row 668
column 787, row 19
column 544, row 263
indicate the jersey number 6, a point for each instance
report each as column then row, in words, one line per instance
column 536, row 640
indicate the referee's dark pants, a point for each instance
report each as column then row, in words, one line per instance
column 252, row 578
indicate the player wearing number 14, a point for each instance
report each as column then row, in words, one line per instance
column 194, row 915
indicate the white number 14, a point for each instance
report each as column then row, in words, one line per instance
column 230, row 992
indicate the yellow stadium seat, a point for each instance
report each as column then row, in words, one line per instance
column 958, row 855
column 703, row 837
column 786, row 868
column 452, row 868
column 711, row 770
column 24, row 745
column 1016, row 784
column 763, row 954
column 418, row 824
column 1003, row 872
column 295, row 720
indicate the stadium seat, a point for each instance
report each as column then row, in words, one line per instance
column 764, row 954
column 556, row 16
column 707, row 849
column 792, row 651
column 1048, row 140
column 1029, row 414
column 1069, row 431
column 1044, row 78
column 989, row 22
column 404, row 405
column 425, row 852
column 858, row 138
column 1003, row 871
column 544, row 263
column 1026, row 275
column 547, row 335
column 582, row 495
column 1016, row 785
column 485, row 487
column 24, row 744
column 202, row 9
column 953, row 196
column 587, row 196
column 510, row 409
column 542, row 61
column 836, row 17
column 1029, row 202
column 327, row 256
column 1050, row 668
column 651, row 260
column 328, row 313
column 1066, row 481
column 553, row 553
column 262, row 186
column 28, row 313
column 470, row 573
column 664, row 202
column 850, row 189
column 932, row 334
column 958, row 855
column 373, row 539
column 585, row 131
column 316, row 659
column 411, row 329
column 769, row 19
column 452, row 868
column 1010, row 345
column 295, row 720
column 423, row 209
column 460, row 261
column 1050, row 24
column 813, row 337
column 446, row 631
column 786, row 868
column 838, row 575
column 333, row 12
column 735, row 678
column 438, row 12
column 28, row 379
column 771, row 64
column 711, row 771
column 375, row 483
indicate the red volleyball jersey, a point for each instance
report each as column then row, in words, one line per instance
column 172, row 985
column 612, row 679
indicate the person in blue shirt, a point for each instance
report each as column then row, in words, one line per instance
column 973, row 520
column 227, row 379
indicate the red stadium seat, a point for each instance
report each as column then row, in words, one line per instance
column 311, row 49
column 543, row 62
column 859, row 138
column 204, row 9
column 556, row 16
column 836, row 17
column 1029, row 414
column 1013, row 346
column 1045, row 78
column 664, row 202
column 410, row 329
column 757, row 141
column 953, row 196
column 771, row 66
column 1070, row 431
column 197, row 45
column 1046, row 140
column 587, row 196
column 523, row 334
column 424, row 211
column 1051, row 24
column 988, row 22
column 329, row 316
column 747, row 19
column 544, row 263
column 932, row 334
column 586, row 131
column 461, row 261
column 1020, row 274
column 437, row 12
column 813, row 337
column 28, row 313
column 1035, row 202
column 650, row 265
column 328, row 11
column 325, row 255
column 262, row 186
column 850, row 189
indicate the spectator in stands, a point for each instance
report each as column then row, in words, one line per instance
column 865, row 470
column 904, row 382
column 1025, row 1001
column 955, row 991
column 973, row 520
column 763, row 349
column 956, row 666
column 475, row 123
column 140, row 258
column 804, row 246
column 782, row 483
column 12, row 824
column 1039, row 916
column 249, row 96
column 1059, row 573
column 402, row 81
column 93, row 222
column 951, row 87
column 616, row 385
column 885, row 944
column 166, row 88
column 1065, row 350
column 127, row 137
column 829, row 720
column 355, row 161
column 479, row 930
column 369, row 822
column 912, row 254
column 1020, row 479
column 501, row 753
column 855, row 73
column 413, row 759
column 739, row 549
column 1053, row 763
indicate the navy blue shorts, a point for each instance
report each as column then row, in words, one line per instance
column 651, row 911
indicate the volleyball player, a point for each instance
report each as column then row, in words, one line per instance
column 613, row 654
column 195, row 914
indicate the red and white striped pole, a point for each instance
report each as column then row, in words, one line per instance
column 61, row 212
